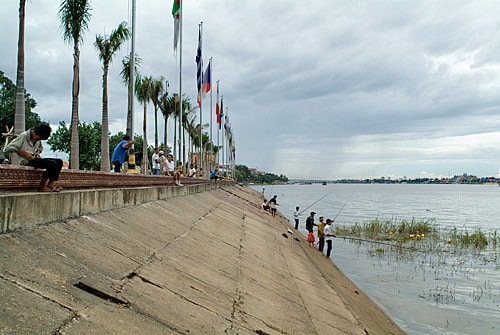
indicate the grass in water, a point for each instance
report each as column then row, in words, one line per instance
column 439, row 254
column 421, row 235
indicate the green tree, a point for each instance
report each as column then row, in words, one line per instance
column 90, row 143
column 167, row 108
column 143, row 89
column 245, row 175
column 75, row 17
column 157, row 92
column 125, row 73
column 107, row 47
column 8, row 106
column 166, row 115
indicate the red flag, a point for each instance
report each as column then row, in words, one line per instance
column 217, row 107
column 205, row 86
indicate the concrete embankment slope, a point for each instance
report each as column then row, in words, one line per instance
column 204, row 263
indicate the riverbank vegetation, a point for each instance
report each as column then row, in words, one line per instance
column 247, row 175
column 451, row 257
column 419, row 235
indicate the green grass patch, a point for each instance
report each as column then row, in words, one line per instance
column 422, row 235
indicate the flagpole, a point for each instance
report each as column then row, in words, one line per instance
column 219, row 131
column 131, row 151
column 211, row 117
column 180, row 83
column 201, row 94
column 200, row 86
column 224, row 142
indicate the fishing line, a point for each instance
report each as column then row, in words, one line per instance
column 376, row 242
column 345, row 203
column 271, row 192
column 302, row 211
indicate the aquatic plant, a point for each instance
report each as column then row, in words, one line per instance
column 389, row 230
column 418, row 235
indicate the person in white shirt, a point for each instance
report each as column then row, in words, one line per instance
column 172, row 171
column 328, row 237
column 163, row 161
column 192, row 171
column 155, row 163
column 296, row 214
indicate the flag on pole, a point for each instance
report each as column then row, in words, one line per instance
column 205, row 86
column 226, row 126
column 221, row 115
column 199, row 68
column 176, row 13
column 217, row 107
column 207, row 79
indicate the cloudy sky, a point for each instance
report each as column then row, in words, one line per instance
column 316, row 89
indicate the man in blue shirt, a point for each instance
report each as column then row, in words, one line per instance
column 120, row 152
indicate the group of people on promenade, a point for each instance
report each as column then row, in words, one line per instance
column 28, row 148
column 161, row 164
column 324, row 232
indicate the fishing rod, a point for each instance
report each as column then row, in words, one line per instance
column 376, row 242
column 302, row 211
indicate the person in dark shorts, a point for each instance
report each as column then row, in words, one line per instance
column 272, row 205
column 28, row 146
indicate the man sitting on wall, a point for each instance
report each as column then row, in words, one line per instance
column 28, row 146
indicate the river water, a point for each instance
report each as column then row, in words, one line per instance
column 424, row 293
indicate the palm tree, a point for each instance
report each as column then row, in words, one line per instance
column 107, row 47
column 19, row 116
column 156, row 95
column 143, row 89
column 186, row 109
column 75, row 16
column 125, row 73
column 167, row 108
column 191, row 126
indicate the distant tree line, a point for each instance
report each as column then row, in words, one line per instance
column 243, row 174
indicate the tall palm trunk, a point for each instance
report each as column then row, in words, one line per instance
column 165, row 124
column 174, row 151
column 145, row 163
column 156, row 127
column 19, row 116
column 75, row 16
column 74, row 144
column 105, row 166
column 107, row 47
column 130, row 97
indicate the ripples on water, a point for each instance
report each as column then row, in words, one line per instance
column 438, row 293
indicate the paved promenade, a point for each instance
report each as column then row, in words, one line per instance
column 204, row 263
